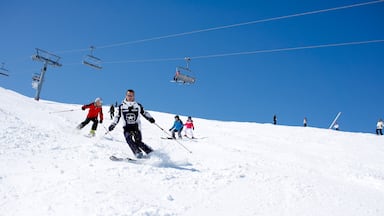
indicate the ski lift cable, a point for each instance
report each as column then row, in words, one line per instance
column 227, row 26
column 250, row 52
column 289, row 49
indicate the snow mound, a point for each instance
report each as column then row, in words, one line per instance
column 50, row 168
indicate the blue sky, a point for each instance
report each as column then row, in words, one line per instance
column 316, row 83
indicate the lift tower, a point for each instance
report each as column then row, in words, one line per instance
column 48, row 59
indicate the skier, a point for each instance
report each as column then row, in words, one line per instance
column 112, row 111
column 177, row 127
column 129, row 109
column 379, row 127
column 177, row 74
column 336, row 126
column 305, row 122
column 274, row 119
column 95, row 110
column 189, row 127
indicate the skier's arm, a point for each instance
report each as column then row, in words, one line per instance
column 173, row 126
column 146, row 114
column 86, row 106
column 116, row 120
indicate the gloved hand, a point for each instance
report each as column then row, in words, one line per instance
column 152, row 120
column 101, row 121
column 170, row 129
column 83, row 108
column 111, row 127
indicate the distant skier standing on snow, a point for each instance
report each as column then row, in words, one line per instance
column 189, row 128
column 336, row 126
column 305, row 122
column 379, row 127
column 274, row 119
column 95, row 110
column 112, row 111
column 130, row 110
column 177, row 127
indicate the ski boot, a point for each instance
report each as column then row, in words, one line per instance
column 92, row 133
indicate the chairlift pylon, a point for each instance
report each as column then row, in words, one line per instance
column 3, row 71
column 48, row 59
column 92, row 61
column 184, row 78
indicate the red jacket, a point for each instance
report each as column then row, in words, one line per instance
column 189, row 124
column 94, row 111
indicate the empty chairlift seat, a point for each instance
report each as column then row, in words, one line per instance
column 92, row 61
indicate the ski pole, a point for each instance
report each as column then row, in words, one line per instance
column 107, row 132
column 173, row 139
column 70, row 110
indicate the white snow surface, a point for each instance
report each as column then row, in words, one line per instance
column 47, row 167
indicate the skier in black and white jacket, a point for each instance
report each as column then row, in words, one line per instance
column 130, row 110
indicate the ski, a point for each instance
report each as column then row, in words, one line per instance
column 128, row 159
column 89, row 135
column 115, row 158
column 167, row 138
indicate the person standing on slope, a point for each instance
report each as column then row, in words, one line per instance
column 189, row 127
column 130, row 110
column 177, row 127
column 305, row 122
column 274, row 119
column 112, row 111
column 336, row 126
column 95, row 110
column 379, row 127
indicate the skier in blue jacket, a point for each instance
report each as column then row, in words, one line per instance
column 177, row 127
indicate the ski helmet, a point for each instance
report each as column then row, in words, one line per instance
column 98, row 100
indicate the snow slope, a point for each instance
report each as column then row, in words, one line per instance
column 47, row 167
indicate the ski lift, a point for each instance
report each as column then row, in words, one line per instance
column 3, row 71
column 92, row 61
column 183, row 78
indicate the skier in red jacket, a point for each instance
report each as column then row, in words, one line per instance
column 190, row 127
column 95, row 110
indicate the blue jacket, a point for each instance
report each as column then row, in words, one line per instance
column 178, row 125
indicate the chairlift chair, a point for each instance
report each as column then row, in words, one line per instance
column 92, row 61
column 183, row 78
column 3, row 71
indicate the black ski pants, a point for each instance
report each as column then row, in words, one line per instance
column 87, row 120
column 379, row 131
column 133, row 138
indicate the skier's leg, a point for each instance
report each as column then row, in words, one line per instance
column 94, row 125
column 188, row 132
column 131, row 143
column 377, row 131
column 381, row 131
column 140, row 144
column 179, row 134
column 173, row 134
column 82, row 124
column 191, row 131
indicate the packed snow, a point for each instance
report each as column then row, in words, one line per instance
column 47, row 167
